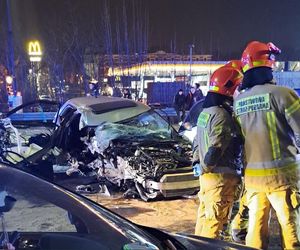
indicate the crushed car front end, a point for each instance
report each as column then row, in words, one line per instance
column 122, row 143
column 150, row 163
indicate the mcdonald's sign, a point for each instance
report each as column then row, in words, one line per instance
column 34, row 51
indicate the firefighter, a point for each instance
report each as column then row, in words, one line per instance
column 216, row 154
column 239, row 223
column 269, row 116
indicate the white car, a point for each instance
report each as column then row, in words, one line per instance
column 122, row 143
column 127, row 143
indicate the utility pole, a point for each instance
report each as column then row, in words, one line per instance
column 191, row 46
column 10, row 46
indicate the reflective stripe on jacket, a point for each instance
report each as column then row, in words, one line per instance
column 217, row 141
column 269, row 116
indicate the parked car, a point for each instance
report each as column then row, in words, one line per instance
column 120, row 141
column 26, row 129
column 40, row 215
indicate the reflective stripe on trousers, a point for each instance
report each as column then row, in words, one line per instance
column 286, row 205
column 261, row 172
column 272, row 179
column 217, row 192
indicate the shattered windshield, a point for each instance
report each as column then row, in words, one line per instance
column 150, row 123
column 148, row 126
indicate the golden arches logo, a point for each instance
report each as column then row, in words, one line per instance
column 34, row 48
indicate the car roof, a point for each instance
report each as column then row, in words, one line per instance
column 95, row 110
column 91, row 100
column 102, row 104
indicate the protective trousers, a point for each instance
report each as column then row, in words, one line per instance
column 216, row 196
column 239, row 224
column 286, row 205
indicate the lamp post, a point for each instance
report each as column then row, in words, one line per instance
column 10, row 47
column 191, row 46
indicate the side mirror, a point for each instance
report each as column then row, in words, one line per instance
column 9, row 202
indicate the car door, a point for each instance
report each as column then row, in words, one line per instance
column 49, row 216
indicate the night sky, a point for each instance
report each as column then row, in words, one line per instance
column 218, row 27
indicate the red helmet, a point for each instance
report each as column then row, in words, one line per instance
column 225, row 80
column 258, row 54
column 237, row 64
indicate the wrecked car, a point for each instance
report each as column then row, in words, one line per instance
column 26, row 129
column 123, row 143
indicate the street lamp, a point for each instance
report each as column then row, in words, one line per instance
column 9, row 80
column 10, row 46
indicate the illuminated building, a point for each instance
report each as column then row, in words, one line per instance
column 137, row 71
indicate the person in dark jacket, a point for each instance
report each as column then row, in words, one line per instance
column 190, row 98
column 117, row 92
column 198, row 93
column 179, row 104
column 127, row 94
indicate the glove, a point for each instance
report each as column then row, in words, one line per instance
column 197, row 169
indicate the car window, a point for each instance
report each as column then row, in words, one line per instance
column 47, row 214
column 33, row 214
column 35, row 106
column 33, row 113
column 65, row 114
column 149, row 120
column 68, row 109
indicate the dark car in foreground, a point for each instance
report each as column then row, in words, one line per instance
column 37, row 214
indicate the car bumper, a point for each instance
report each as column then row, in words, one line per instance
column 175, row 184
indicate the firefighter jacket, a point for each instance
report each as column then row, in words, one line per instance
column 269, row 116
column 217, row 146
